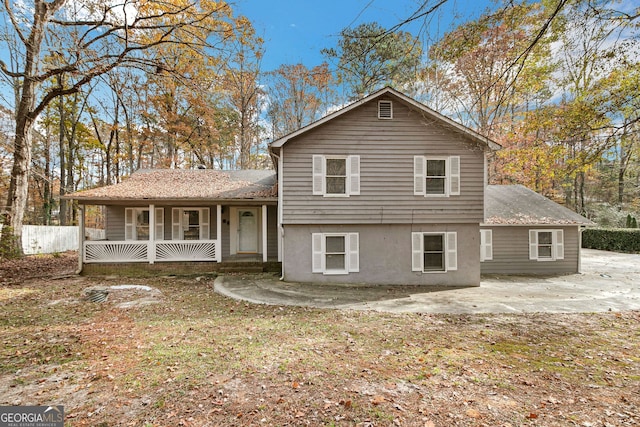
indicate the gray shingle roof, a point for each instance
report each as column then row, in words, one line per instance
column 193, row 184
column 516, row 204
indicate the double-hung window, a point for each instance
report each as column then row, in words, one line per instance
column 434, row 252
column 546, row 245
column 190, row 224
column 336, row 176
column 137, row 222
column 436, row 176
column 335, row 253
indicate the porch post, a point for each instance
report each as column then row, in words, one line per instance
column 218, row 233
column 151, row 246
column 80, row 237
column 264, row 233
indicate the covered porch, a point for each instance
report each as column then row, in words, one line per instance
column 239, row 226
column 197, row 234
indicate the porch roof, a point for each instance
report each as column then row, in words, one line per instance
column 518, row 205
column 178, row 185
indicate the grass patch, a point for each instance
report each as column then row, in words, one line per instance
column 198, row 358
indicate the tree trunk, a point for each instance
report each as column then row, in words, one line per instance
column 62, row 216
column 11, row 241
column 48, row 199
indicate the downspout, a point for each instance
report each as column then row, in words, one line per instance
column 279, row 157
column 580, row 230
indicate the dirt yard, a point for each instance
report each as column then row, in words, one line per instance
column 170, row 352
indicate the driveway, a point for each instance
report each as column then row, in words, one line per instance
column 610, row 282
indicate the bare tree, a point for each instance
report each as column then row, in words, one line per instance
column 101, row 36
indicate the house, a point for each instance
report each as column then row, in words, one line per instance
column 383, row 191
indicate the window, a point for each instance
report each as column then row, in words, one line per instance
column 137, row 223
column 336, row 176
column 385, row 110
column 190, row 224
column 486, row 245
column 335, row 253
column 434, row 252
column 546, row 245
column 436, row 176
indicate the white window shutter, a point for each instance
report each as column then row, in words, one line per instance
column 419, row 177
column 354, row 175
column 486, row 245
column 317, row 256
column 533, row 244
column 318, row 175
column 176, row 224
column 559, row 243
column 159, row 228
column 454, row 175
column 204, row 224
column 417, row 249
column 129, row 224
column 452, row 251
column 354, row 256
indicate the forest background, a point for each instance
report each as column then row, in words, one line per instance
column 93, row 90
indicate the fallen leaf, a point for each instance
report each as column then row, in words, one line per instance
column 472, row 413
column 532, row 416
column 346, row 403
column 377, row 399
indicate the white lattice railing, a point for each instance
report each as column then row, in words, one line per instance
column 186, row 250
column 143, row 251
column 110, row 251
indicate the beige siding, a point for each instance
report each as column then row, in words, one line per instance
column 386, row 149
column 511, row 252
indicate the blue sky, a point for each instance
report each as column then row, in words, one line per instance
column 296, row 30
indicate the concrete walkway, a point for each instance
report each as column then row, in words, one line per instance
column 610, row 282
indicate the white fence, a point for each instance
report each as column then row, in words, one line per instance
column 47, row 239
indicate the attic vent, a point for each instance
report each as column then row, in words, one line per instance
column 385, row 110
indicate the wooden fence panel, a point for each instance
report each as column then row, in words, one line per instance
column 47, row 239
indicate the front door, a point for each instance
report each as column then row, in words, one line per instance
column 248, row 230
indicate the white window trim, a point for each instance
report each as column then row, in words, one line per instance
column 319, row 175
column 486, row 245
column 318, row 256
column 452, row 175
column 450, row 251
column 177, row 226
column 557, row 245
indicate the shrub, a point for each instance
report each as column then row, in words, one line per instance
column 612, row 239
